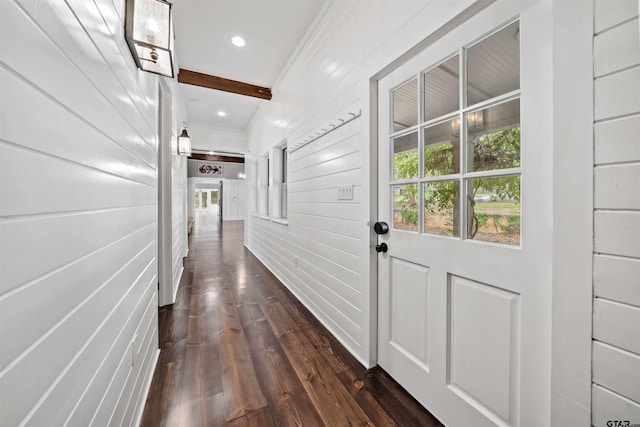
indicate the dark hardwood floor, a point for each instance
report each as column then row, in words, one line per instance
column 238, row 349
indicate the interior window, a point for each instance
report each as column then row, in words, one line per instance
column 283, row 182
column 263, row 185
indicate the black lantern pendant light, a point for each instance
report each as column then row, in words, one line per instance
column 184, row 142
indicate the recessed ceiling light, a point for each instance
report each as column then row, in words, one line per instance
column 238, row 41
column 211, row 152
column 222, row 113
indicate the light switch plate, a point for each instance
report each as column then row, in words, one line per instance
column 345, row 192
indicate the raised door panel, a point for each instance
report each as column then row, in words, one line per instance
column 483, row 335
column 409, row 310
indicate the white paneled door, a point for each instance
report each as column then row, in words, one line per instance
column 461, row 316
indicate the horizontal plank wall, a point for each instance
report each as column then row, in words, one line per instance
column 178, row 215
column 78, row 217
column 174, row 199
column 322, row 252
column 616, row 309
column 322, row 260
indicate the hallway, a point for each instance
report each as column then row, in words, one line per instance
column 239, row 349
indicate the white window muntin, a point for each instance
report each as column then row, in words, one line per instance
column 463, row 176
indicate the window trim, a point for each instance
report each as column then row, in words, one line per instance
column 263, row 186
column 279, row 179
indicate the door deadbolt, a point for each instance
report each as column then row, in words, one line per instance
column 381, row 228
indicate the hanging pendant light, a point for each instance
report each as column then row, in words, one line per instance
column 149, row 34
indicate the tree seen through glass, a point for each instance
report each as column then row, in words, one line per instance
column 493, row 203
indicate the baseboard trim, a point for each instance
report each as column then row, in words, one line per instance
column 176, row 284
column 147, row 387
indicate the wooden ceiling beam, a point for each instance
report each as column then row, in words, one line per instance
column 216, row 158
column 219, row 83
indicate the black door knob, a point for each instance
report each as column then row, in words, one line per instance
column 381, row 228
column 382, row 247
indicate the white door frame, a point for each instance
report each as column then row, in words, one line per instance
column 573, row 233
column 166, row 293
column 372, row 157
column 570, row 32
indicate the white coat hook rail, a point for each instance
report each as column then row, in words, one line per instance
column 332, row 125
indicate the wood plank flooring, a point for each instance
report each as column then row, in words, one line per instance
column 238, row 349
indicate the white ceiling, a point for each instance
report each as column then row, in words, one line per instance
column 493, row 68
column 203, row 29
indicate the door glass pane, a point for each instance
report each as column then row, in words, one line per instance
column 494, row 137
column 441, row 208
column 442, row 149
column 493, row 209
column 405, row 156
column 405, row 105
column 442, row 89
column 405, row 206
column 493, row 65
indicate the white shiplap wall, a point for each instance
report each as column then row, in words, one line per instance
column 318, row 254
column 179, row 199
column 616, row 345
column 323, row 253
column 175, row 204
column 78, row 217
